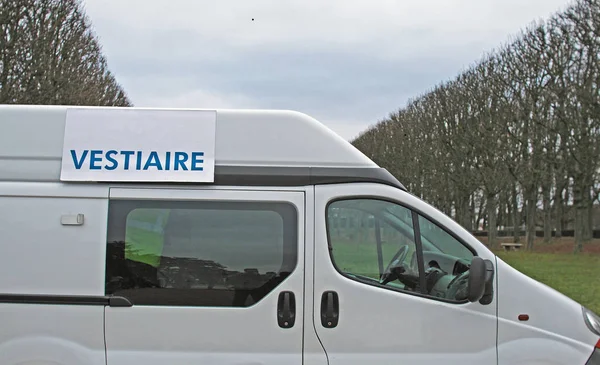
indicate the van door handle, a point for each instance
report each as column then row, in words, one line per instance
column 330, row 307
column 286, row 309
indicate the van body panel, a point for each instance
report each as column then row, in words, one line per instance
column 314, row 353
column 184, row 334
column 215, row 193
column 555, row 332
column 51, row 334
column 283, row 131
column 39, row 158
column 52, row 190
column 58, row 259
column 385, row 326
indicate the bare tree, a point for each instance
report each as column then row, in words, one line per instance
column 49, row 55
column 517, row 134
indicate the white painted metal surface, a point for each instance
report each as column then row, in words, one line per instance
column 51, row 334
column 314, row 354
column 31, row 142
column 39, row 255
column 380, row 326
column 555, row 332
column 155, row 335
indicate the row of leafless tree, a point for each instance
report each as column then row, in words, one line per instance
column 514, row 139
column 50, row 55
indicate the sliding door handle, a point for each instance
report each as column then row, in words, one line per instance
column 330, row 308
column 286, row 309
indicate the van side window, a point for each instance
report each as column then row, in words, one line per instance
column 373, row 241
column 365, row 246
column 199, row 253
column 446, row 260
column 435, row 239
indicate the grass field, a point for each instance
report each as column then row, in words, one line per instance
column 554, row 264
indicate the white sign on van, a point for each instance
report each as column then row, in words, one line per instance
column 127, row 144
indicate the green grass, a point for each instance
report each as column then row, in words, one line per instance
column 362, row 259
column 576, row 276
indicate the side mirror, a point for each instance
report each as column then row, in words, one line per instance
column 477, row 279
column 488, row 294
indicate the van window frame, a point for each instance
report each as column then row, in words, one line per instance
column 285, row 209
column 415, row 212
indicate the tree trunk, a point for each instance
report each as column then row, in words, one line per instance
column 492, row 215
column 466, row 216
column 558, row 211
column 472, row 213
column 589, row 226
column 516, row 217
column 501, row 218
column 464, row 208
column 580, row 214
column 480, row 213
column 547, row 214
column 531, row 210
column 509, row 221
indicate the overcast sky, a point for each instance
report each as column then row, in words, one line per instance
column 347, row 63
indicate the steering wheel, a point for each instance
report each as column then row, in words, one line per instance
column 398, row 257
column 458, row 288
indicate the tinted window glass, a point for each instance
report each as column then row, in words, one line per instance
column 199, row 253
column 373, row 241
column 435, row 238
column 365, row 246
column 447, row 262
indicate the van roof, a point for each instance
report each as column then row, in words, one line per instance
column 258, row 147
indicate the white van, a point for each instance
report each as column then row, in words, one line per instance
column 170, row 236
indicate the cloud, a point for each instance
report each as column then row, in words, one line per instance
column 319, row 24
column 197, row 99
column 347, row 63
column 325, row 85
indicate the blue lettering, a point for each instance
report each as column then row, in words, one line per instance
column 168, row 161
column 195, row 161
column 95, row 158
column 138, row 163
column 180, row 159
column 127, row 154
column 153, row 156
column 76, row 162
column 111, row 159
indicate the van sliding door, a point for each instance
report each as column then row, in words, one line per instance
column 213, row 276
